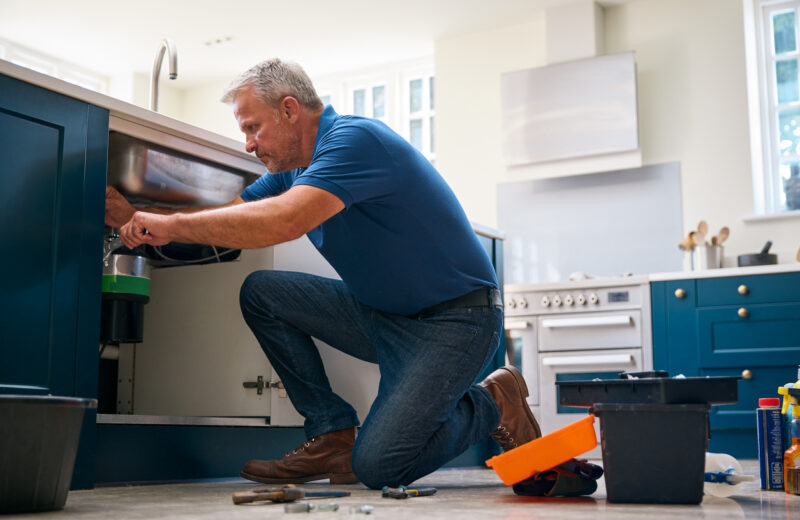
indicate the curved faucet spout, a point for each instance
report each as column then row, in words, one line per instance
column 166, row 45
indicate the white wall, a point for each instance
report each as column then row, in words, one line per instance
column 202, row 107
column 468, row 122
column 692, row 109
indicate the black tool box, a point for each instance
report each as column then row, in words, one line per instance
column 654, row 432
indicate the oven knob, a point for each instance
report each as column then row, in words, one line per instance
column 545, row 301
column 511, row 303
column 593, row 298
column 557, row 300
column 523, row 303
column 581, row 299
column 568, row 300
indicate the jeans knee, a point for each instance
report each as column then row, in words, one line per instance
column 374, row 471
column 251, row 294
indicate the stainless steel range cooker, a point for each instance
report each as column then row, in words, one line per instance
column 576, row 330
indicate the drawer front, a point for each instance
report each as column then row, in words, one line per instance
column 590, row 330
column 763, row 382
column 768, row 288
column 769, row 335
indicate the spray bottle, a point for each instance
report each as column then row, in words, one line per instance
column 791, row 458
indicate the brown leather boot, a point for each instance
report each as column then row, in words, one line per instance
column 326, row 456
column 517, row 423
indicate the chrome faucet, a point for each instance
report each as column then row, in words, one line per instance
column 167, row 45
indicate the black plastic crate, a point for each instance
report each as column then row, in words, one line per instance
column 653, row 453
column 654, row 390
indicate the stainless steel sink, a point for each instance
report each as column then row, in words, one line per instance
column 147, row 172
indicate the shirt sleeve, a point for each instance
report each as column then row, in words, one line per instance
column 353, row 164
column 268, row 185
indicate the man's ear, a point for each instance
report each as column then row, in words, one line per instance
column 290, row 109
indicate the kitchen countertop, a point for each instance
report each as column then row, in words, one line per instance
column 725, row 271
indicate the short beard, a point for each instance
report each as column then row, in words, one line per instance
column 290, row 158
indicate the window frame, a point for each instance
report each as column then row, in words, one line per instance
column 428, row 111
column 767, row 178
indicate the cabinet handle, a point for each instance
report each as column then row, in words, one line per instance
column 747, row 374
column 742, row 289
column 743, row 313
column 680, row 293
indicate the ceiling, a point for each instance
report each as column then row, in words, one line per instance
column 217, row 39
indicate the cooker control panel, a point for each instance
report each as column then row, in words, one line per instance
column 576, row 300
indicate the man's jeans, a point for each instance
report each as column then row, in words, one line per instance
column 428, row 409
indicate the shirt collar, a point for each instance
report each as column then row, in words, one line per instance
column 326, row 120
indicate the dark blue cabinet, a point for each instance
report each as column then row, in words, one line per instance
column 53, row 155
column 747, row 326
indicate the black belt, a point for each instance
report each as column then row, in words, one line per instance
column 484, row 297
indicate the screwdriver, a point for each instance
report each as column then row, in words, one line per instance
column 404, row 492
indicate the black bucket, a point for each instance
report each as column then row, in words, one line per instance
column 654, row 453
column 38, row 443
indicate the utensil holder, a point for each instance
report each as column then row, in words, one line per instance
column 706, row 257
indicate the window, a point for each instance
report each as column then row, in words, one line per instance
column 369, row 101
column 418, row 111
column 777, row 37
column 399, row 94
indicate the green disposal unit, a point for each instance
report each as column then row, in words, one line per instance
column 126, row 289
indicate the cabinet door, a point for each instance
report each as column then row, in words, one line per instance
column 767, row 335
column 675, row 327
column 50, row 217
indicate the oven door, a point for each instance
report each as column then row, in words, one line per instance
column 521, row 350
column 579, row 366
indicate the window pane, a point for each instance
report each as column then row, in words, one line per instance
column 358, row 102
column 786, row 76
column 789, row 131
column 431, row 90
column 433, row 149
column 415, row 133
column 783, row 29
column 790, row 178
column 415, row 91
column 378, row 101
column 326, row 100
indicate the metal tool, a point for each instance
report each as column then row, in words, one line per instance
column 307, row 507
column 404, row 492
column 287, row 493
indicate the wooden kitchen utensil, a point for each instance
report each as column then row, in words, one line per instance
column 723, row 235
column 700, row 234
column 693, row 238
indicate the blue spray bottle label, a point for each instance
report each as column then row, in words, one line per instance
column 770, row 443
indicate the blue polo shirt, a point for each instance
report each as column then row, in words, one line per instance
column 403, row 242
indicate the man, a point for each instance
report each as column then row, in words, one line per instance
column 418, row 295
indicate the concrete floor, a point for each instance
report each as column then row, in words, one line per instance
column 462, row 493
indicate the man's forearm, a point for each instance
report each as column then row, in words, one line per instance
column 245, row 226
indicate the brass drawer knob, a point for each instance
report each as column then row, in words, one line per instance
column 747, row 374
column 742, row 289
column 743, row 313
column 680, row 293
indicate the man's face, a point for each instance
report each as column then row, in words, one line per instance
column 267, row 131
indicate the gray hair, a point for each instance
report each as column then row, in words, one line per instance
column 272, row 80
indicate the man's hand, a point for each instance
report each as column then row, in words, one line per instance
column 118, row 209
column 147, row 228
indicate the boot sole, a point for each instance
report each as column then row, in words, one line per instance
column 523, row 392
column 334, row 478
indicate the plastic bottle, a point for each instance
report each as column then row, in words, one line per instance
column 723, row 475
column 771, row 442
column 791, row 459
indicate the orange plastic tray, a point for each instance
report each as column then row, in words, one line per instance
column 545, row 452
